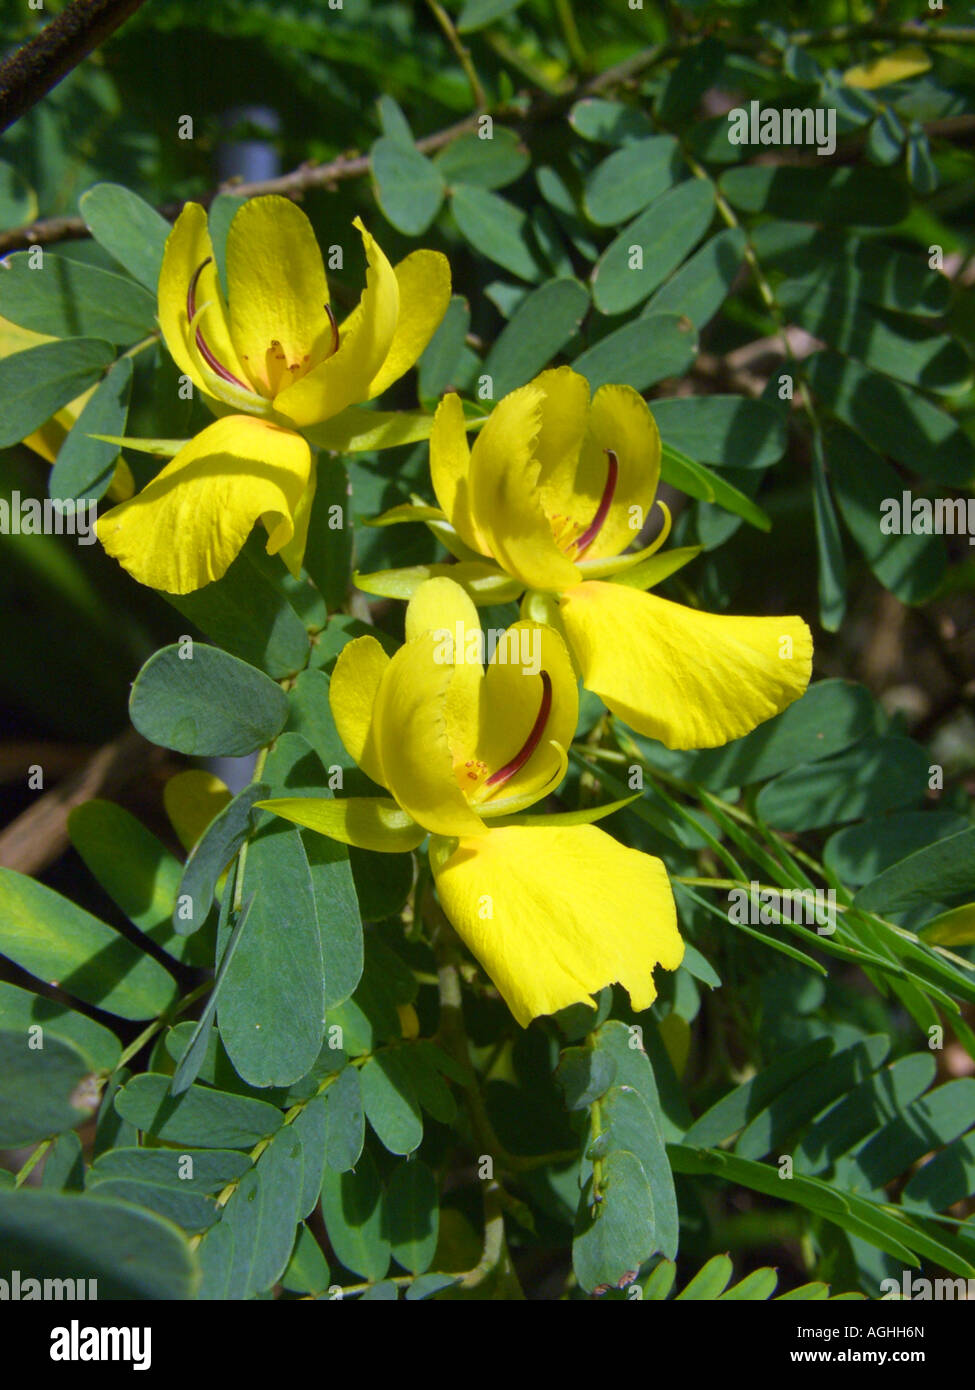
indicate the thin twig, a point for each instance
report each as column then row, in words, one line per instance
column 41, row 63
column 462, row 53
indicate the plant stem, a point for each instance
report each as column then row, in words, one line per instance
column 463, row 54
column 573, row 40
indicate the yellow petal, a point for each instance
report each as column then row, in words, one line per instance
column 565, row 410
column 352, row 693
column 364, row 343
column 450, row 466
column 424, row 293
column 441, row 607
column 888, row 68
column 277, row 292
column 186, row 527
column 187, row 247
column 511, row 702
column 292, row 552
column 410, row 729
column 619, row 420
column 368, row 822
column 192, row 799
column 503, row 482
column 687, row 678
column 555, row 914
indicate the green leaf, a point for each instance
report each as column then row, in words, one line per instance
column 609, row 122
column 222, row 839
column 21, row 1010
column 709, row 1282
column 328, row 554
column 940, row 872
column 135, row 869
column 893, row 419
column 409, row 187
column 69, row 299
column 129, row 229
column 640, row 353
column 352, row 1206
column 311, row 1125
column 208, row 705
column 62, row 944
column 294, row 768
column 584, row 1074
column 921, row 168
column 128, row 1253
column 35, row 384
column 830, row 716
column 644, row 253
column 726, row 431
column 390, row 1102
column 421, row 1061
column 910, row 566
column 866, row 1107
column 935, row 1120
column 544, row 322
column 484, row 163
column 697, row 481
column 701, row 285
column 863, row 268
column 615, row 1235
column 307, row 1270
column 206, row 1171
column 623, row 1121
column 85, row 465
column 201, row 1117
column 887, row 342
column 261, row 1217
column 733, row 1111
column 804, row 1097
column 346, row 1121
column 886, row 138
column 272, row 1007
column 879, row 774
column 193, row 1057
column 188, row 1210
column 443, row 355
column 630, row 178
column 393, row 121
column 64, row 1166
column 697, row 69
column 633, row 1068
column 947, row 1178
column 477, row 14
column 43, row 1088
column 412, row 1216
column 829, row 546
column 860, row 197
column 495, row 228
column 755, row 1287
column 861, row 852
column 18, row 202
column 249, row 616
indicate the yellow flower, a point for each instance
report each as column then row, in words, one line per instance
column 553, row 908
column 271, row 360
column 546, row 502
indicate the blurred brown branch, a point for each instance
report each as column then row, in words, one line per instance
column 39, row 835
column 41, row 63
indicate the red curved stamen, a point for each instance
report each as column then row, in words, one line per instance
column 605, row 502
column 531, row 742
column 201, row 343
column 335, row 330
